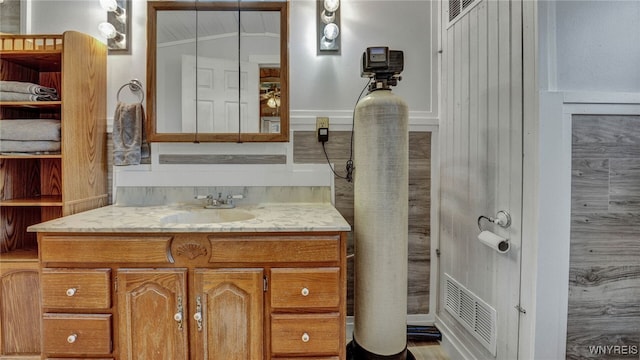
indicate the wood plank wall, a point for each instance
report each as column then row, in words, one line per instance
column 10, row 16
column 307, row 150
column 604, row 275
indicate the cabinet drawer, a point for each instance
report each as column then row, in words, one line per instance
column 73, row 334
column 313, row 334
column 76, row 289
column 275, row 249
column 305, row 288
column 105, row 249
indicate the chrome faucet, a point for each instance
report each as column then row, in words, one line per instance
column 219, row 202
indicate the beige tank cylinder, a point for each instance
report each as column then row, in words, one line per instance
column 381, row 177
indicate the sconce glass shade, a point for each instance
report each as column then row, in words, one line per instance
column 112, row 6
column 109, row 5
column 331, row 31
column 331, row 5
column 107, row 30
column 110, row 33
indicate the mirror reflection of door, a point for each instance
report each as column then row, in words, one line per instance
column 214, row 97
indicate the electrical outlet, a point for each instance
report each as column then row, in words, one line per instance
column 322, row 128
column 322, row 122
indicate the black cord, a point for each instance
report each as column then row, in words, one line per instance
column 331, row 167
column 353, row 118
column 349, row 166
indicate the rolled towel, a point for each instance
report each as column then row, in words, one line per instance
column 16, row 96
column 29, row 146
column 26, row 87
column 30, row 129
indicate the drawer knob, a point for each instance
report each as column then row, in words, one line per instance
column 72, row 338
column 71, row 291
column 305, row 337
column 304, row 292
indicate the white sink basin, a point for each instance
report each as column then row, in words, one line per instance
column 208, row 216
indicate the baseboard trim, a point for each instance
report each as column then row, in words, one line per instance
column 451, row 344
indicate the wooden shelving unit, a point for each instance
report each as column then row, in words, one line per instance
column 40, row 187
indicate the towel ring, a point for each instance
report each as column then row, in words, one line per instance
column 135, row 86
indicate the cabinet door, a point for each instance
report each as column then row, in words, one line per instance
column 229, row 303
column 152, row 324
column 19, row 310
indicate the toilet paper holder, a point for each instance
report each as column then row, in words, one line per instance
column 492, row 240
column 502, row 219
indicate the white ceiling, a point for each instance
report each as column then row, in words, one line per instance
column 181, row 25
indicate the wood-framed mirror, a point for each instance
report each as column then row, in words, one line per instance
column 217, row 71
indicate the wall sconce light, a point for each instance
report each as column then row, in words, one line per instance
column 328, row 26
column 117, row 27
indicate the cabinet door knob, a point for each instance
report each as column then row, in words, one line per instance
column 72, row 338
column 304, row 292
column 177, row 317
column 198, row 315
column 71, row 291
column 305, row 337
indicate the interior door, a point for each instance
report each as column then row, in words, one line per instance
column 215, row 99
column 481, row 174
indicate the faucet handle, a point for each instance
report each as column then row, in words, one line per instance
column 230, row 199
column 200, row 197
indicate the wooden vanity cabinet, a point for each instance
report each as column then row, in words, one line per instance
column 196, row 295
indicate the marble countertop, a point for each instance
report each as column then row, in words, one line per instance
column 267, row 217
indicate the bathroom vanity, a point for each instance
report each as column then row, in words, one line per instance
column 264, row 281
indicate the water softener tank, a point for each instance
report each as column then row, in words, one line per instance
column 381, row 159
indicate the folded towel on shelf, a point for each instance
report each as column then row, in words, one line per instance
column 27, row 88
column 129, row 139
column 30, row 129
column 31, row 146
column 16, row 96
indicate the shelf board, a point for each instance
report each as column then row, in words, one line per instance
column 29, row 156
column 40, row 105
column 40, row 60
column 44, row 200
column 20, row 255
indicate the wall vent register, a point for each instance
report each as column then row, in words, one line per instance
column 472, row 312
column 458, row 7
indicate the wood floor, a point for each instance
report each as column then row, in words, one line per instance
column 427, row 351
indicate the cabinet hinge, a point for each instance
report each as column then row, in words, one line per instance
column 115, row 284
column 265, row 283
column 438, row 252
